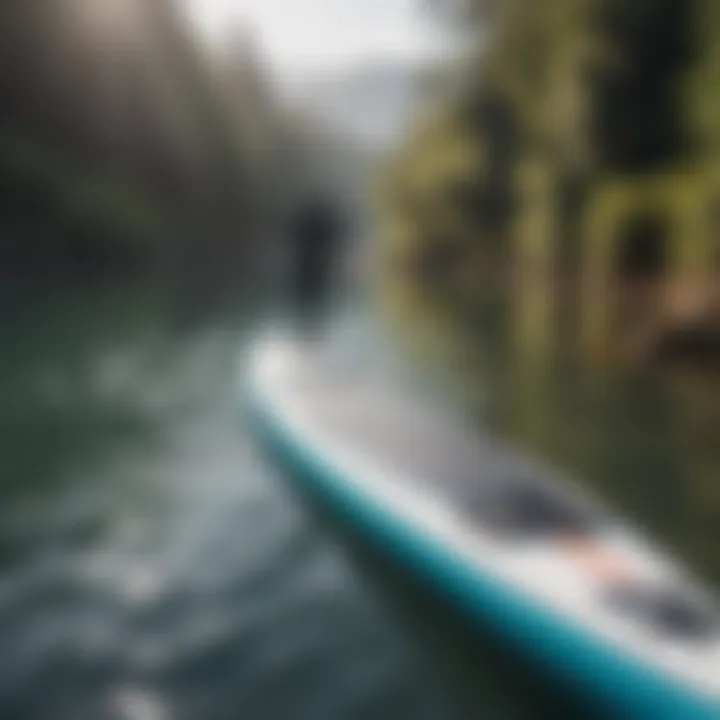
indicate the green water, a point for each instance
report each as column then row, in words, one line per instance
column 154, row 564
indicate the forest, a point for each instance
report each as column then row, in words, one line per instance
column 125, row 142
column 578, row 151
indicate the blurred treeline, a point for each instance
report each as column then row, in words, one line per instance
column 579, row 149
column 126, row 142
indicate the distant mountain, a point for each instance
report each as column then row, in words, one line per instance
column 372, row 103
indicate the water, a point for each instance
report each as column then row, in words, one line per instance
column 155, row 565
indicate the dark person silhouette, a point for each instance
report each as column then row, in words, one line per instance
column 316, row 234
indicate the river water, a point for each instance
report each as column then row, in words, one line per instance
column 155, row 565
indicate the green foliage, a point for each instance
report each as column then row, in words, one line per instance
column 569, row 104
column 109, row 210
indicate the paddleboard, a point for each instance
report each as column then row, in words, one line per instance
column 521, row 549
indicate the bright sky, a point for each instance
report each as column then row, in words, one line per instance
column 305, row 36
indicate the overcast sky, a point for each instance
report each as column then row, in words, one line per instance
column 300, row 37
